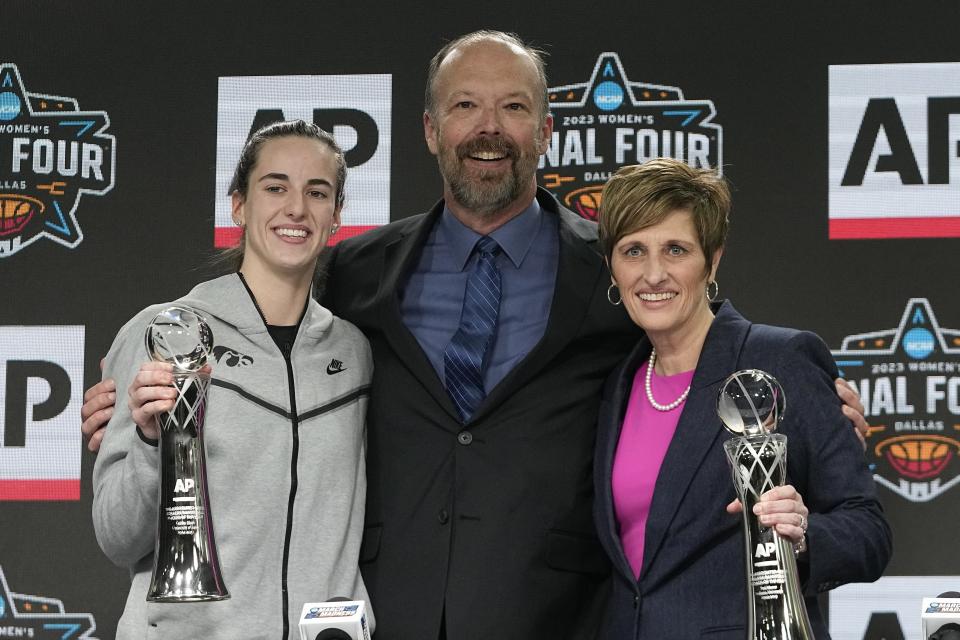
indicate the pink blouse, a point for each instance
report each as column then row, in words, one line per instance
column 644, row 438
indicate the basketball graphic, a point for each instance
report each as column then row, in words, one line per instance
column 920, row 457
column 585, row 201
column 16, row 210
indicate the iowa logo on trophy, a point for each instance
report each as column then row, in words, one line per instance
column 909, row 381
column 608, row 121
column 51, row 152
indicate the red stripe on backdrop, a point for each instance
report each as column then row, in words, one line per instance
column 224, row 237
column 872, row 228
column 39, row 490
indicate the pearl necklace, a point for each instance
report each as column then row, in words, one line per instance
column 653, row 403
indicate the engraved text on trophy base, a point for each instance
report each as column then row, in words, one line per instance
column 184, row 519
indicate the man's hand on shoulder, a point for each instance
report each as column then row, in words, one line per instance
column 853, row 409
column 97, row 409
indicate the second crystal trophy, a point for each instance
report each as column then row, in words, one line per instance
column 751, row 405
column 186, row 567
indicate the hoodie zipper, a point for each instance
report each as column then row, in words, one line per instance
column 295, row 429
column 286, row 349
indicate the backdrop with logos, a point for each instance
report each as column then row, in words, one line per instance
column 837, row 124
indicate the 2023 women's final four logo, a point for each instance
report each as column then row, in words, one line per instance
column 51, row 152
column 610, row 121
column 909, row 381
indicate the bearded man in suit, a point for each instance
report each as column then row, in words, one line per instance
column 479, row 508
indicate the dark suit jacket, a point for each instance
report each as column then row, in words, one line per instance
column 490, row 521
column 692, row 582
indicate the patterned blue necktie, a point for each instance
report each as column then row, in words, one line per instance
column 463, row 359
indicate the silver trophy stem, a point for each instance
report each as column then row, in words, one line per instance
column 776, row 610
column 186, row 567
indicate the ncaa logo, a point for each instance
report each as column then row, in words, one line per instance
column 608, row 96
column 894, row 145
column 354, row 108
column 41, row 371
column 9, row 106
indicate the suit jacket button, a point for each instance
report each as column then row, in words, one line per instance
column 636, row 601
column 443, row 516
column 465, row 438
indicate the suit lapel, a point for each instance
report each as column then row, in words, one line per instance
column 578, row 269
column 399, row 258
column 699, row 429
column 608, row 438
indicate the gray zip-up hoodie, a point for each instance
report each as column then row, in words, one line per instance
column 287, row 489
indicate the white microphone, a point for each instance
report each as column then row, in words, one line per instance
column 336, row 619
column 940, row 617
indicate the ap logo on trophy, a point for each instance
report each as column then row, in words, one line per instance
column 51, row 152
column 609, row 121
column 909, row 381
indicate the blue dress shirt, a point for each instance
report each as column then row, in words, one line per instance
column 431, row 301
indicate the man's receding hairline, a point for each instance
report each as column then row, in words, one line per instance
column 483, row 40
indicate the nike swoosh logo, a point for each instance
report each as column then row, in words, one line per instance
column 332, row 369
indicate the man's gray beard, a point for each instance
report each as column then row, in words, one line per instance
column 481, row 196
column 485, row 197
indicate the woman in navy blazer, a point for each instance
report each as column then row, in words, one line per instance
column 665, row 504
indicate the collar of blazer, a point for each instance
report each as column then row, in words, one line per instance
column 579, row 273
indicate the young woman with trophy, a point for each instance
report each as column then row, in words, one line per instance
column 253, row 502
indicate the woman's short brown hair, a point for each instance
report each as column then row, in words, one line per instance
column 640, row 196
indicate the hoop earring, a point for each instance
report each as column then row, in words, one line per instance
column 716, row 291
column 613, row 287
